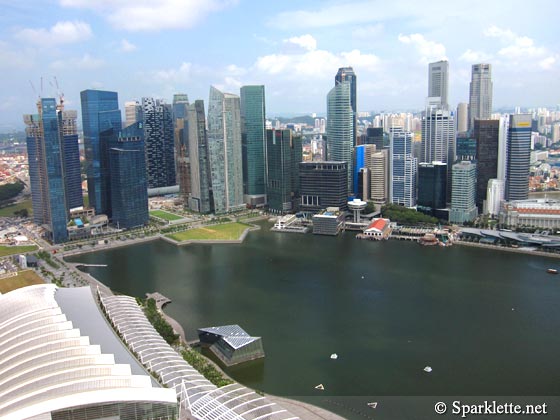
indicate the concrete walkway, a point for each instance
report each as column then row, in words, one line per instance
column 303, row 410
column 161, row 301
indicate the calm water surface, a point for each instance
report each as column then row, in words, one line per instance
column 487, row 322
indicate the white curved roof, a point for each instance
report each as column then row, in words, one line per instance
column 203, row 399
column 47, row 364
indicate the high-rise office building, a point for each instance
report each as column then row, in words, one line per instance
column 253, row 115
column 494, row 197
column 132, row 112
column 403, row 169
column 462, row 117
column 362, row 156
column 502, row 147
column 199, row 197
column 463, row 204
column 486, row 133
column 432, row 186
column 224, row 140
column 182, row 160
column 438, row 82
column 180, row 104
column 379, row 176
column 347, row 74
column 100, row 112
column 128, row 185
column 159, row 143
column 438, row 139
column 340, row 127
column 322, row 185
column 480, row 97
column 465, row 146
column 284, row 156
column 71, row 158
column 374, row 135
column 48, row 161
column 518, row 157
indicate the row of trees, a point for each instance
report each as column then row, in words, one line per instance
column 9, row 191
column 406, row 216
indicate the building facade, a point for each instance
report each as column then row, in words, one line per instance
column 340, row 127
column 159, row 143
column 224, row 140
column 537, row 213
column 322, row 185
column 494, row 197
column 432, row 186
column 347, row 74
column 71, row 158
column 480, row 93
column 253, row 116
column 462, row 117
column 403, row 169
column 45, row 151
column 518, row 157
column 379, row 176
column 438, row 82
column 129, row 187
column 100, row 112
column 486, row 133
column 463, row 201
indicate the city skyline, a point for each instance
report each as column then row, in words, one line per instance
column 293, row 52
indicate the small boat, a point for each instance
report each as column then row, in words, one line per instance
column 427, row 369
column 334, row 356
column 552, row 271
column 320, row 386
column 372, row 404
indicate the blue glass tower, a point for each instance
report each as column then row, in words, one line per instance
column 100, row 111
column 129, row 188
column 71, row 159
column 46, row 169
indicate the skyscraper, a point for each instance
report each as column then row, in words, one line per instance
column 46, row 155
column 100, row 111
column 438, row 139
column 432, row 186
column 182, row 160
column 480, row 97
column 253, row 115
column 71, row 158
column 199, row 197
column 379, row 176
column 127, row 168
column 340, row 127
column 462, row 117
column 438, row 81
column 403, row 169
column 362, row 154
column 374, row 135
column 180, row 104
column 463, row 205
column 518, row 157
column 132, row 112
column 347, row 74
column 486, row 133
column 494, row 197
column 224, row 139
column 159, row 143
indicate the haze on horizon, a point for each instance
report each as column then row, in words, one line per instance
column 161, row 47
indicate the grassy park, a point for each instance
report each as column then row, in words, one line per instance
column 10, row 211
column 165, row 215
column 225, row 232
column 22, row 279
column 11, row 250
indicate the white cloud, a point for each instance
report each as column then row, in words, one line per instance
column 307, row 42
column 12, row 59
column 85, row 62
column 471, row 56
column 174, row 75
column 154, row 15
column 61, row 33
column 428, row 50
column 547, row 63
column 127, row 46
column 496, row 32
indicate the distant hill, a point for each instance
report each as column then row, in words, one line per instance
column 305, row 119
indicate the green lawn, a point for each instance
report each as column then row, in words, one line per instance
column 86, row 200
column 11, row 250
column 165, row 215
column 23, row 278
column 228, row 231
column 9, row 210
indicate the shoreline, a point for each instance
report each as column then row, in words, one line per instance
column 506, row 249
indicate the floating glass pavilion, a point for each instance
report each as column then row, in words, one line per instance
column 231, row 344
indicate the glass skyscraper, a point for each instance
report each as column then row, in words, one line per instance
column 463, row 204
column 71, row 158
column 340, row 127
column 404, row 168
column 224, row 140
column 486, row 133
column 322, row 185
column 438, row 81
column 253, row 114
column 518, row 157
column 480, row 93
column 199, row 198
column 100, row 112
column 347, row 74
column 159, row 143
column 129, row 190
column 46, row 154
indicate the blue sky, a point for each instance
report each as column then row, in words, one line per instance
column 160, row 47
